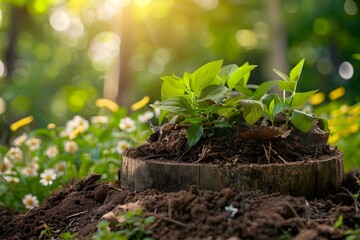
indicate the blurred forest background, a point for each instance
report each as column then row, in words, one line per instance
column 58, row 56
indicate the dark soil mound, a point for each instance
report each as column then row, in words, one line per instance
column 260, row 144
column 191, row 214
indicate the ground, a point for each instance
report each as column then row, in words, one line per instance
column 192, row 213
column 200, row 214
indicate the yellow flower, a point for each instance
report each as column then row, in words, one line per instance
column 333, row 138
column 106, row 103
column 355, row 110
column 140, row 104
column 51, row 126
column 22, row 122
column 317, row 98
column 338, row 92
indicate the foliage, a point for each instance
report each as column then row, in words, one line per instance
column 212, row 96
column 344, row 122
column 133, row 226
column 42, row 160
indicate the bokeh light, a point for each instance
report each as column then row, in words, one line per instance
column 60, row 20
column 350, row 7
column 2, row 69
column 346, row 70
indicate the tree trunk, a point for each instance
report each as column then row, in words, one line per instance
column 311, row 178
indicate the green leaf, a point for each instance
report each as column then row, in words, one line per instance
column 205, row 76
column 267, row 100
column 271, row 106
column 299, row 99
column 177, row 105
column 222, row 124
column 264, row 88
column 226, row 72
column 186, row 80
column 247, row 76
column 244, row 90
column 195, row 132
column 302, row 120
column 287, row 86
column 296, row 71
column 323, row 124
column 172, row 86
column 252, row 110
column 282, row 75
column 215, row 93
column 238, row 75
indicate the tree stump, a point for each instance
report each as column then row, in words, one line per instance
column 310, row 178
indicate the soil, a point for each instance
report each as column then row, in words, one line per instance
column 192, row 213
column 260, row 143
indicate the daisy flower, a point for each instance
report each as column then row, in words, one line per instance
column 17, row 142
column 121, row 146
column 33, row 143
column 71, row 147
column 30, row 201
column 47, row 177
column 52, row 151
column 10, row 178
column 15, row 154
column 29, row 171
column 5, row 165
column 60, row 168
column 99, row 119
column 127, row 124
column 143, row 118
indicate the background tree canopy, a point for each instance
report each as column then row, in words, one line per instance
column 57, row 57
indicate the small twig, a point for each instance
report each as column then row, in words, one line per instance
column 174, row 221
column 160, row 217
column 279, row 156
column 356, row 203
column 169, row 208
column 76, row 214
column 269, row 195
column 186, row 151
column 296, row 215
column 267, row 154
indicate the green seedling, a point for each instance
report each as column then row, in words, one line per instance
column 214, row 96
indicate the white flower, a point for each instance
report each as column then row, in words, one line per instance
column 64, row 133
column 5, row 165
column 99, row 119
column 47, row 177
column 77, row 123
column 33, row 143
column 60, row 168
column 9, row 177
column 17, row 142
column 34, row 164
column 15, row 154
column 127, row 124
column 121, row 146
column 52, row 151
column 30, row 201
column 71, row 147
column 146, row 116
column 29, row 171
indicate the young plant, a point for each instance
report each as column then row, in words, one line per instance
column 289, row 105
column 213, row 96
column 204, row 98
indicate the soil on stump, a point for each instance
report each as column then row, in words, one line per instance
column 260, row 144
column 192, row 213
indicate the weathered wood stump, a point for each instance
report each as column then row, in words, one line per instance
column 310, row 178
